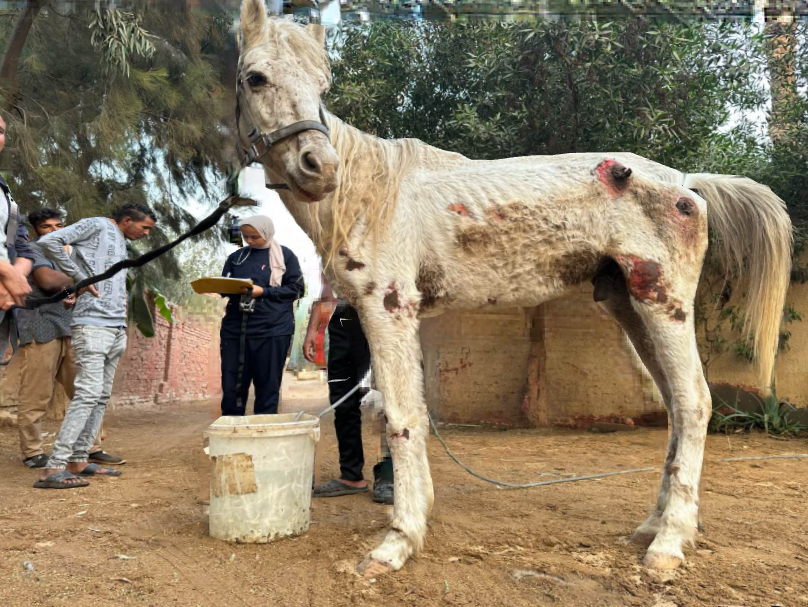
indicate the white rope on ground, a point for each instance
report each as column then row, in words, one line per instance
column 502, row 484
column 743, row 459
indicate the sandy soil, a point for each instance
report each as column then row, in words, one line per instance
column 141, row 539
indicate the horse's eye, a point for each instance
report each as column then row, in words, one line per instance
column 256, row 80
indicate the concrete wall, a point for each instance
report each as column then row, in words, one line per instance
column 568, row 363
column 478, row 366
column 791, row 370
column 475, row 365
column 593, row 372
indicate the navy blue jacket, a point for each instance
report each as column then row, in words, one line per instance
column 274, row 311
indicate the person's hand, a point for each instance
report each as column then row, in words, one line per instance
column 91, row 290
column 308, row 346
column 6, row 301
column 69, row 301
column 256, row 291
column 16, row 285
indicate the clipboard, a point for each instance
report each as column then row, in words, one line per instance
column 220, row 284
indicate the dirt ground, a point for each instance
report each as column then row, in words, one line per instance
column 142, row 539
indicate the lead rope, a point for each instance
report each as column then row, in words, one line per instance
column 32, row 304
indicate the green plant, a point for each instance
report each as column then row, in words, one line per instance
column 773, row 418
column 140, row 307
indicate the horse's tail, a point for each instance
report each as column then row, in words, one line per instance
column 752, row 240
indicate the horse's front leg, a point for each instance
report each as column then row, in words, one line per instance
column 392, row 330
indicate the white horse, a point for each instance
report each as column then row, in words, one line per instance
column 408, row 230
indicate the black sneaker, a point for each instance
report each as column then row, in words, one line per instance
column 383, row 482
column 37, row 461
column 102, row 457
column 383, row 492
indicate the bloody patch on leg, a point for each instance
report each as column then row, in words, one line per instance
column 614, row 176
column 405, row 434
column 391, row 303
column 354, row 265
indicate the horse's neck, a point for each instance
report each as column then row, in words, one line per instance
column 357, row 151
column 370, row 176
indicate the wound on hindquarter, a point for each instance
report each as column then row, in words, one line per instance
column 644, row 280
column 459, row 208
column 614, row 176
column 405, row 434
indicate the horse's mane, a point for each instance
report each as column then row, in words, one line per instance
column 371, row 169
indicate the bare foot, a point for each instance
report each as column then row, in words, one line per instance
column 370, row 568
column 358, row 484
column 76, row 467
column 79, row 467
column 661, row 562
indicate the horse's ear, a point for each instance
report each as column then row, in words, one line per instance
column 317, row 31
column 253, row 22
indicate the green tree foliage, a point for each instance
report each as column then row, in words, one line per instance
column 115, row 107
column 679, row 93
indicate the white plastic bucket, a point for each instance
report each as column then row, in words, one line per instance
column 260, row 488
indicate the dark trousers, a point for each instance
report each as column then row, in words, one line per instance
column 264, row 360
column 348, row 362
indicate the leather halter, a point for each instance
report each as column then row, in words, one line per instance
column 261, row 143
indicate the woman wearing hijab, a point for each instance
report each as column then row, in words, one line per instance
column 254, row 344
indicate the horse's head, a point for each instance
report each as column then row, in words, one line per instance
column 283, row 72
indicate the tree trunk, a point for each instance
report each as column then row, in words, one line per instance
column 10, row 60
column 781, row 45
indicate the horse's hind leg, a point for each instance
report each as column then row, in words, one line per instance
column 618, row 305
column 669, row 345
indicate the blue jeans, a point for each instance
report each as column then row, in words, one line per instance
column 98, row 351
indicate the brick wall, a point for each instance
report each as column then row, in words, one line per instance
column 181, row 362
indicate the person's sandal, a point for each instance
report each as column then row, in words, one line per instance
column 37, row 461
column 96, row 470
column 57, row 480
column 102, row 457
column 335, row 488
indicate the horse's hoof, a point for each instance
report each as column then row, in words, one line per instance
column 661, row 562
column 370, row 568
column 642, row 538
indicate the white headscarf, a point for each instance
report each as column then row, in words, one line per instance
column 264, row 226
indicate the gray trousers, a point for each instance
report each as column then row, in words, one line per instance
column 98, row 351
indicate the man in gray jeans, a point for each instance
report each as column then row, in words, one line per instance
column 99, row 334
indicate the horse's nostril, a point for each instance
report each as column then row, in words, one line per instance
column 312, row 163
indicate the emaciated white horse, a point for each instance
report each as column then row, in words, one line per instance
column 409, row 230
